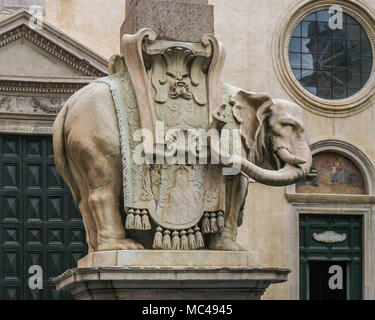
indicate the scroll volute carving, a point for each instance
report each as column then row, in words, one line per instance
column 191, row 71
column 131, row 48
column 198, row 80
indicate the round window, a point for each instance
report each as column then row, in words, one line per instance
column 332, row 63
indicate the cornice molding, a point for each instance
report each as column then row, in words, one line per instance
column 18, row 87
column 329, row 198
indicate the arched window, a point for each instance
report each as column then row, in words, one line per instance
column 336, row 175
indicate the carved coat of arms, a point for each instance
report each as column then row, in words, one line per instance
column 180, row 192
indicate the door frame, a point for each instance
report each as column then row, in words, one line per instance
column 368, row 238
column 342, row 259
column 337, row 204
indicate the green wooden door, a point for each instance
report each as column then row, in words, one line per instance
column 39, row 222
column 317, row 254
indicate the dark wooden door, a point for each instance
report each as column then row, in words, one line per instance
column 39, row 222
column 317, row 257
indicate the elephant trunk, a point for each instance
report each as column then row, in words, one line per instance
column 287, row 175
column 295, row 169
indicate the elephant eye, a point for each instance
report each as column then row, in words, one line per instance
column 288, row 124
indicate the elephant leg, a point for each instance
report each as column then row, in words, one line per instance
column 88, row 220
column 236, row 192
column 104, row 204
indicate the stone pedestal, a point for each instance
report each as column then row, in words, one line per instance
column 165, row 275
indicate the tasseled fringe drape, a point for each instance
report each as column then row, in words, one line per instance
column 137, row 220
column 158, row 239
column 190, row 239
column 213, row 222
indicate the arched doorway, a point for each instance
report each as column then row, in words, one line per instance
column 333, row 223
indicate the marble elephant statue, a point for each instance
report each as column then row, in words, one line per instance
column 87, row 155
column 86, row 142
column 275, row 151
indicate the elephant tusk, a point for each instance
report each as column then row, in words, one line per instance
column 287, row 157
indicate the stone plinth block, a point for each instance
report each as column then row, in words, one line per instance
column 165, row 275
column 150, row 258
column 169, row 283
column 181, row 20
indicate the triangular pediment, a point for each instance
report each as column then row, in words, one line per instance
column 44, row 52
column 24, row 60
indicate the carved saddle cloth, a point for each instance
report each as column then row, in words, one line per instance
column 175, row 196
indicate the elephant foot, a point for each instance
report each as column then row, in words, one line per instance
column 225, row 244
column 123, row 244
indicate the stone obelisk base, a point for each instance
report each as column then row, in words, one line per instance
column 168, row 275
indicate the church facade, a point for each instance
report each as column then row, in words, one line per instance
column 319, row 54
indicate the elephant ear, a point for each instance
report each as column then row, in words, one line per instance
column 219, row 118
column 250, row 109
column 116, row 64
